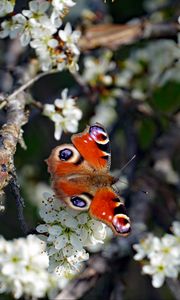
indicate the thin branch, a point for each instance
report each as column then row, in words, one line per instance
column 28, row 84
column 113, row 36
column 19, row 201
column 36, row 104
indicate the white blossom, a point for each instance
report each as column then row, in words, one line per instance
column 70, row 38
column 176, row 228
column 52, row 53
column 60, row 9
column 28, row 25
column 159, row 269
column 23, row 269
column 146, row 247
column 64, row 114
column 159, row 61
column 96, row 69
column 14, row 27
column 37, row 27
column 36, row 9
column 105, row 113
column 67, row 232
column 6, row 7
column 60, row 5
column 160, row 256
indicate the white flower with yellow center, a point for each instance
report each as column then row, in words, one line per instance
column 64, row 114
column 159, row 269
column 146, row 247
column 23, row 269
column 70, row 38
column 66, row 233
column 160, row 256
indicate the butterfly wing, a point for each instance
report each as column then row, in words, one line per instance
column 93, row 145
column 71, row 166
column 107, row 207
column 65, row 160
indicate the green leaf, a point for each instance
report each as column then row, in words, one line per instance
column 146, row 133
column 167, row 99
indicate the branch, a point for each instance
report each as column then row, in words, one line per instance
column 19, row 202
column 114, row 35
column 11, row 132
column 10, row 135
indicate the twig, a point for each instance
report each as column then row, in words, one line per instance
column 3, row 104
column 19, row 201
column 28, row 84
column 114, row 35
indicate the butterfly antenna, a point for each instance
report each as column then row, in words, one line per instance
column 129, row 161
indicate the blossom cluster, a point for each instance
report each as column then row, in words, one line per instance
column 39, row 26
column 96, row 70
column 23, row 269
column 159, row 61
column 142, row 72
column 66, row 233
column 98, row 74
column 160, row 256
column 64, row 114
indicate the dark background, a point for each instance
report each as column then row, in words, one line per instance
column 151, row 138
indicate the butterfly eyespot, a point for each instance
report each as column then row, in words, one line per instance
column 121, row 224
column 65, row 154
column 78, row 202
column 99, row 134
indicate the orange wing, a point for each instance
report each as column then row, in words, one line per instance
column 69, row 174
column 71, row 166
column 65, row 160
column 107, row 207
column 93, row 145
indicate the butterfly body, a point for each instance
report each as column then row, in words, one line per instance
column 81, row 178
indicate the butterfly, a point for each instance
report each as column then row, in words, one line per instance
column 81, row 177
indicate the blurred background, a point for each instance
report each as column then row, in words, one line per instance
column 133, row 89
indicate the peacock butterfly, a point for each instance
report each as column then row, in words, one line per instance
column 80, row 177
